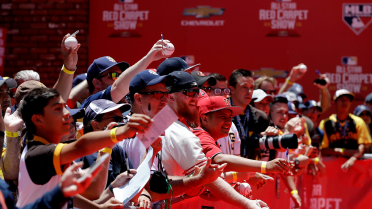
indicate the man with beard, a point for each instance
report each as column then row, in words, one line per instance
column 182, row 151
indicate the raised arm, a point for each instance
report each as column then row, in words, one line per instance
column 94, row 141
column 324, row 95
column 64, row 83
column 294, row 76
column 120, row 88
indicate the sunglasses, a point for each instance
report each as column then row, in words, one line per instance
column 157, row 94
column 113, row 75
column 206, row 89
column 118, row 119
column 271, row 92
column 190, row 92
column 218, row 91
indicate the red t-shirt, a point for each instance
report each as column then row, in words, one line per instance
column 211, row 148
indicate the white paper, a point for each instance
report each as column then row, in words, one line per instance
column 129, row 190
column 162, row 121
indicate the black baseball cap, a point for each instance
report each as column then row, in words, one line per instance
column 173, row 64
column 201, row 78
column 182, row 80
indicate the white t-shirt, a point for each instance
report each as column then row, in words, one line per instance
column 227, row 146
column 181, row 150
column 134, row 149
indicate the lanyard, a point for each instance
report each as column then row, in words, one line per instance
column 344, row 130
column 242, row 129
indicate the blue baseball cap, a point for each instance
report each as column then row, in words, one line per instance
column 312, row 103
column 78, row 79
column 173, row 64
column 10, row 82
column 147, row 78
column 361, row 108
column 76, row 113
column 298, row 90
column 368, row 98
column 102, row 64
column 102, row 106
column 182, row 80
column 291, row 108
column 302, row 106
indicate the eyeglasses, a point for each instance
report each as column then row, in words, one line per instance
column 271, row 92
column 157, row 94
column 206, row 89
column 118, row 119
column 218, row 91
column 114, row 75
column 190, row 92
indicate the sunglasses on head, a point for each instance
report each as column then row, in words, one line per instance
column 113, row 75
column 189, row 92
column 157, row 94
column 218, row 91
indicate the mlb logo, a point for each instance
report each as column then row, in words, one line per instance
column 357, row 16
column 349, row 60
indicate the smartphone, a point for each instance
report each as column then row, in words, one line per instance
column 93, row 167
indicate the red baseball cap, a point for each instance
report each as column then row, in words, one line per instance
column 216, row 103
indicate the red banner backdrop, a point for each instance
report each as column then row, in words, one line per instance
column 2, row 49
column 266, row 36
column 336, row 190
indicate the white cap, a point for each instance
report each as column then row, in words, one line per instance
column 342, row 92
column 259, row 95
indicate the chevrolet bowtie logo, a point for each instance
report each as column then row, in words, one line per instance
column 203, row 11
column 271, row 72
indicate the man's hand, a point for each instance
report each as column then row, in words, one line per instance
column 259, row 180
column 324, row 77
column 347, row 165
column 297, row 200
column 12, row 122
column 137, row 123
column 157, row 145
column 270, row 131
column 296, row 126
column 123, row 178
column 70, row 57
column 312, row 169
column 112, row 203
column 69, row 184
column 144, row 202
column 156, row 51
column 304, row 161
column 296, row 73
column 278, row 165
column 257, row 204
column 209, row 173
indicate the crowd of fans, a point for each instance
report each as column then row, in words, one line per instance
column 229, row 133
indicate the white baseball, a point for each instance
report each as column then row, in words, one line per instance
column 303, row 68
column 168, row 50
column 71, row 42
column 245, row 189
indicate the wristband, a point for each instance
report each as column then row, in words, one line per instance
column 263, row 167
column 289, row 82
column 106, row 150
column 67, row 71
column 235, row 177
column 146, row 196
column 294, row 192
column 342, row 150
column 12, row 134
column 316, row 160
column 111, row 189
column 113, row 135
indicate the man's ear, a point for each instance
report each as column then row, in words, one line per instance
column 171, row 98
column 232, row 89
column 37, row 119
column 138, row 98
column 204, row 119
column 95, row 125
column 97, row 83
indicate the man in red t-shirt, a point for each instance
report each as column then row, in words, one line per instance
column 216, row 118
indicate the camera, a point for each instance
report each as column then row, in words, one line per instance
column 273, row 142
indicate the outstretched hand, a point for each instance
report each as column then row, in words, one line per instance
column 156, row 50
